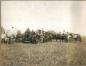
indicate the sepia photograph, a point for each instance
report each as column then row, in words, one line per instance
column 43, row 33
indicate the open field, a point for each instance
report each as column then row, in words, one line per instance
column 44, row 54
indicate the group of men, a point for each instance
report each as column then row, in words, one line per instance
column 38, row 36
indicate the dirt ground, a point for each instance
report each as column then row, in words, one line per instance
column 43, row 54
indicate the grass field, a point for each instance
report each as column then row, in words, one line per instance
column 44, row 54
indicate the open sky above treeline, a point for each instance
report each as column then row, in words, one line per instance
column 49, row 15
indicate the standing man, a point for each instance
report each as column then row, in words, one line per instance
column 3, row 35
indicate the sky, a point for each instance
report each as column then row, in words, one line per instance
column 49, row 15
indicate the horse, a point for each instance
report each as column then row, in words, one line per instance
column 4, row 38
column 11, row 38
column 19, row 38
column 61, row 37
column 34, row 39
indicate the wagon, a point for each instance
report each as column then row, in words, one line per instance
column 26, row 40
